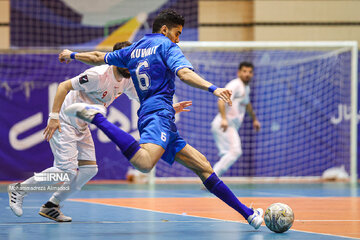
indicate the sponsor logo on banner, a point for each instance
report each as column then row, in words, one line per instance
column 114, row 115
column 343, row 114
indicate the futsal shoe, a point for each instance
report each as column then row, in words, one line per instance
column 256, row 219
column 54, row 213
column 85, row 111
column 16, row 197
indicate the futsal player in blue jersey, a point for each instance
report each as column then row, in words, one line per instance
column 153, row 63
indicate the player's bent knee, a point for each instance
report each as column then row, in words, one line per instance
column 236, row 153
column 143, row 162
column 85, row 174
column 143, row 170
column 146, row 168
column 71, row 173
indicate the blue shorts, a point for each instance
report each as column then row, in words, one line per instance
column 160, row 129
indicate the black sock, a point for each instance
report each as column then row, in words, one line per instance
column 50, row 205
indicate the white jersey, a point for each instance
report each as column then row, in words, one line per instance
column 96, row 85
column 240, row 98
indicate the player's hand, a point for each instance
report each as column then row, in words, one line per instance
column 224, row 125
column 51, row 128
column 181, row 106
column 256, row 125
column 64, row 56
column 224, row 94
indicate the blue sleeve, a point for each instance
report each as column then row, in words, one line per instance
column 116, row 58
column 176, row 60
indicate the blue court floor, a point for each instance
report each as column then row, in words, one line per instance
column 94, row 220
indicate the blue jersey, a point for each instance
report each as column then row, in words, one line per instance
column 153, row 63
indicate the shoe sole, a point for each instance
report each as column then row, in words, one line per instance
column 259, row 225
column 70, row 110
column 47, row 216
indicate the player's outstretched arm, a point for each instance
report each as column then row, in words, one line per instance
column 91, row 58
column 54, row 122
column 191, row 78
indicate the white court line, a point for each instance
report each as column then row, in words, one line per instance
column 277, row 195
column 219, row 220
column 104, row 222
column 147, row 194
column 163, row 221
column 300, row 196
column 178, row 214
column 327, row 220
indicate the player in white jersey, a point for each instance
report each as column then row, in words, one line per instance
column 72, row 145
column 227, row 122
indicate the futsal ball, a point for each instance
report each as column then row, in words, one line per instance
column 279, row 217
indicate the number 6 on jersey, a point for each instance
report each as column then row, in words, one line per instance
column 163, row 136
column 142, row 76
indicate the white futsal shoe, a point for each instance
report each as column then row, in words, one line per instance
column 85, row 111
column 54, row 213
column 256, row 219
column 16, row 198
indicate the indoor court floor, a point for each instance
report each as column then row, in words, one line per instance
column 328, row 211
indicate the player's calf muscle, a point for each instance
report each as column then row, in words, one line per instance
column 205, row 170
column 204, row 173
column 202, row 165
column 195, row 161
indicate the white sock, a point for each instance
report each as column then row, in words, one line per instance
column 85, row 173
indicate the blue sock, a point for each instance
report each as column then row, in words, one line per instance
column 219, row 189
column 128, row 145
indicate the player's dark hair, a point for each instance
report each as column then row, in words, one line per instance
column 246, row 64
column 119, row 45
column 168, row 17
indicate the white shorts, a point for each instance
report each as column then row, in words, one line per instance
column 225, row 141
column 71, row 145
